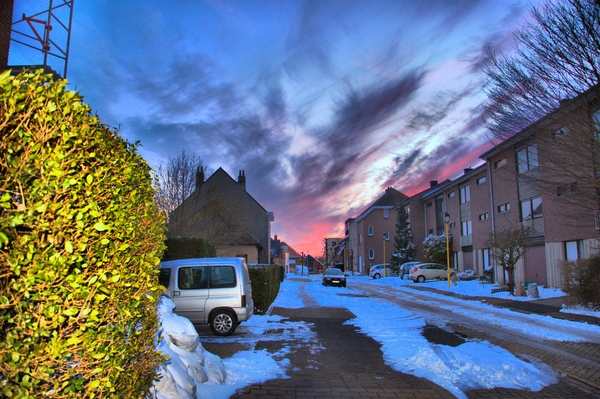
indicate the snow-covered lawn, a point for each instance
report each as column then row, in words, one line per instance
column 474, row 364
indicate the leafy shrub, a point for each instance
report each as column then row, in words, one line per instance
column 80, row 238
column 188, row 247
column 582, row 281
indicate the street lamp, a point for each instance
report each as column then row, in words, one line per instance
column 384, row 267
column 447, row 222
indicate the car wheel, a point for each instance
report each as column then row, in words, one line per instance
column 421, row 279
column 223, row 323
column 376, row 276
column 344, row 285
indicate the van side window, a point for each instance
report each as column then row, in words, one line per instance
column 222, row 277
column 164, row 277
column 192, row 278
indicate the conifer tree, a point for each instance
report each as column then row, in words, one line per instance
column 404, row 249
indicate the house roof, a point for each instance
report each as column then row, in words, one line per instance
column 390, row 199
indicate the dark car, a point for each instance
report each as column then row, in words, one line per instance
column 334, row 276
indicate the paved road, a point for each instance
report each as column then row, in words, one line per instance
column 330, row 365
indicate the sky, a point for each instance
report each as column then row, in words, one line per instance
column 324, row 104
column 471, row 365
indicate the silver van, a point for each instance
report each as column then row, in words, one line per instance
column 216, row 291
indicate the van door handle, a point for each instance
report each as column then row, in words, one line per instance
column 176, row 293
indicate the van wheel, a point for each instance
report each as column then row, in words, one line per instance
column 223, row 323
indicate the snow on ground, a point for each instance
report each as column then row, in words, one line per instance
column 474, row 364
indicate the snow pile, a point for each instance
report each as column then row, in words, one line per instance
column 189, row 365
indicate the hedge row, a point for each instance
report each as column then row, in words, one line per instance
column 266, row 281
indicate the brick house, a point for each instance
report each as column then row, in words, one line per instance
column 221, row 211
column 370, row 236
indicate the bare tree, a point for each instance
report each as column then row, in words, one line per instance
column 548, row 91
column 176, row 180
column 556, row 57
column 508, row 247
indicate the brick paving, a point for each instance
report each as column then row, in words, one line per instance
column 349, row 364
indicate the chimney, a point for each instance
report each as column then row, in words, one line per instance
column 433, row 183
column 242, row 179
column 467, row 170
column 199, row 177
column 6, row 15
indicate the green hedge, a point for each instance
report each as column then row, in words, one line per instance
column 266, row 281
column 188, row 247
column 80, row 239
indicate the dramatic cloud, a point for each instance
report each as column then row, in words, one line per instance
column 323, row 103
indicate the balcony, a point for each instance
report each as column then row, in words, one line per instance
column 536, row 226
column 465, row 241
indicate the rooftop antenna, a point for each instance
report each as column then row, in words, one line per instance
column 33, row 31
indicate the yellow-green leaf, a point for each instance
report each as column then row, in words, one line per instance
column 100, row 226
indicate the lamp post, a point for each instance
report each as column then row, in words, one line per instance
column 447, row 222
column 384, row 267
column 302, row 263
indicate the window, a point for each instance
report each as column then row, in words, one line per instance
column 452, row 225
column 480, row 181
column 386, row 213
column 467, row 228
column 573, row 250
column 500, row 163
column 429, row 204
column 222, row 277
column 386, row 235
column 596, row 117
column 164, row 277
column 486, row 258
column 503, row 208
column 192, row 278
column 527, row 158
column 465, row 194
column 531, row 209
column 371, row 254
column 483, row 216
column 371, row 231
column 451, row 194
column 360, row 238
column 567, row 189
column 430, row 231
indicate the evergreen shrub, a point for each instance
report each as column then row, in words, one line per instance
column 188, row 247
column 80, row 239
column 266, row 281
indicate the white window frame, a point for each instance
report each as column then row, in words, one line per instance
column 481, row 180
column 371, row 254
column 466, row 227
column 386, row 213
column 465, row 194
column 371, row 231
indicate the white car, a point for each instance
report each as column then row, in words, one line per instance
column 429, row 271
column 376, row 271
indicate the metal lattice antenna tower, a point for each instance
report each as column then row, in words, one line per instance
column 38, row 32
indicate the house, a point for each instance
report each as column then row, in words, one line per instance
column 334, row 247
column 369, row 237
column 545, row 178
column 221, row 210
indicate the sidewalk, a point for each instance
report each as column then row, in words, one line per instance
column 546, row 307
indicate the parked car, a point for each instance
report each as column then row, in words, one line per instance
column 213, row 291
column 334, row 276
column 376, row 271
column 407, row 267
column 429, row 271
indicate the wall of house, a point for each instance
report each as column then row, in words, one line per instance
column 234, row 251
